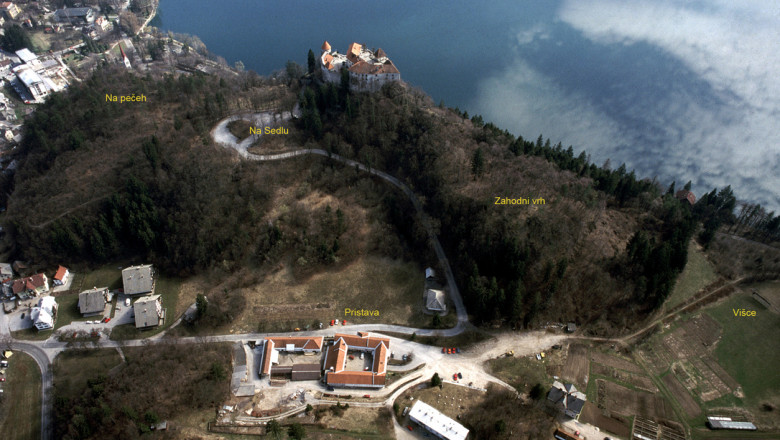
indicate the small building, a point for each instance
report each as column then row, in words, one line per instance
column 44, row 314
column 567, row 398
column 437, row 423
column 6, row 271
column 10, row 10
column 430, row 274
column 716, row 422
column 75, row 15
column 435, row 300
column 138, row 280
column 571, row 327
column 148, row 311
column 687, row 196
column 31, row 286
column 93, row 301
column 61, row 277
column 20, row 267
column 306, row 372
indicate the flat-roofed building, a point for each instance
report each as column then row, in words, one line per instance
column 437, row 423
column 138, row 280
column 38, row 86
column 716, row 422
column 75, row 15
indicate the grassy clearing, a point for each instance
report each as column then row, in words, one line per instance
column 356, row 422
column 72, row 369
column 168, row 289
column 520, row 372
column 697, row 274
column 748, row 346
column 452, row 400
column 106, row 276
column 20, row 408
column 392, row 287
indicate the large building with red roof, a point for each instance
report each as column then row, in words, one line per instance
column 334, row 364
column 368, row 70
column 290, row 344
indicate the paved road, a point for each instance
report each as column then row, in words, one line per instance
column 44, row 363
column 222, row 136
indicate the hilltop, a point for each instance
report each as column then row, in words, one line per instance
column 101, row 181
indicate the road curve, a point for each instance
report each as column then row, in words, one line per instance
column 222, row 136
column 44, row 363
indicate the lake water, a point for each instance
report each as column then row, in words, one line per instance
column 647, row 83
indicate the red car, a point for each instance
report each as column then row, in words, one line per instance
column 410, row 427
column 344, row 322
column 2, row 379
column 332, row 321
column 444, row 350
column 455, row 376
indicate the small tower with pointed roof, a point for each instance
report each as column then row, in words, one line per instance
column 124, row 57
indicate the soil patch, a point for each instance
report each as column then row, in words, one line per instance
column 621, row 400
column 682, row 396
column 618, row 426
column 576, row 367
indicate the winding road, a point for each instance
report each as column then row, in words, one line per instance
column 470, row 362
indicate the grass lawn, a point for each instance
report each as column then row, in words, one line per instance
column 106, row 276
column 40, row 40
column 521, row 372
column 394, row 288
column 20, row 408
column 697, row 274
column 73, row 368
column 748, row 349
column 168, row 289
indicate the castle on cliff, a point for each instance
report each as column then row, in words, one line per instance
column 368, row 71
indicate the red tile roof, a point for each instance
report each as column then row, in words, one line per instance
column 356, row 378
column 380, row 53
column 326, row 45
column 686, row 195
column 60, row 275
column 313, row 343
column 29, row 283
column 380, row 359
column 362, row 341
column 335, row 356
column 353, row 52
column 362, row 67
column 269, row 347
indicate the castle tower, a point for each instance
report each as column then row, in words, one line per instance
column 326, row 46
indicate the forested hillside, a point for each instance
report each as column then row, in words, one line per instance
column 100, row 181
column 605, row 247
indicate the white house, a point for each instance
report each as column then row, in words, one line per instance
column 43, row 315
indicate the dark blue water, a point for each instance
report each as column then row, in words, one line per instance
column 518, row 65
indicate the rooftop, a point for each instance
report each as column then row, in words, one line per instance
column 138, row 279
column 437, row 422
column 92, row 300
column 146, row 311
